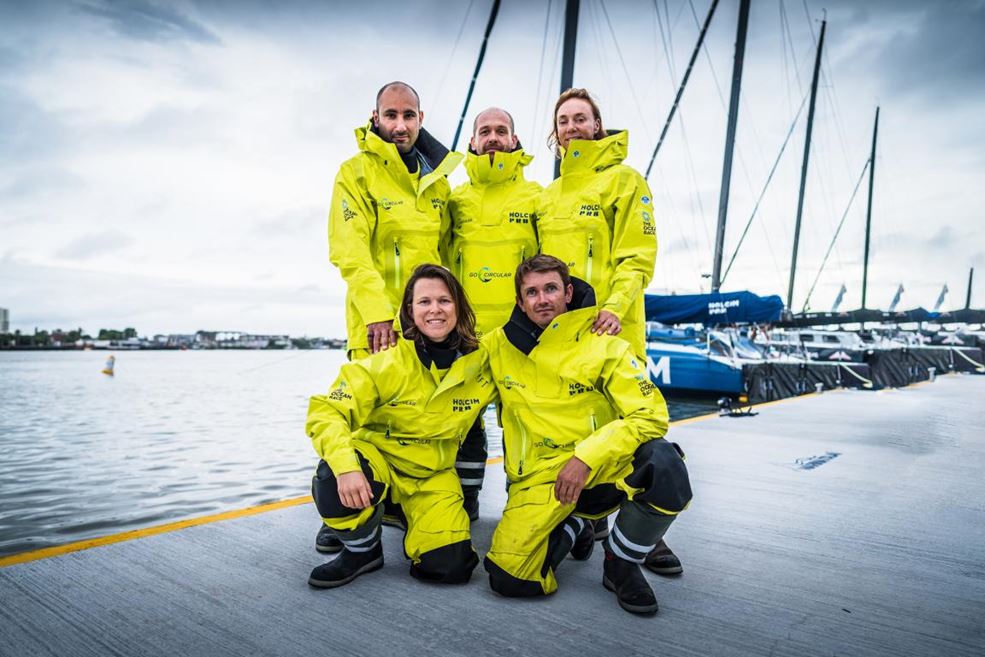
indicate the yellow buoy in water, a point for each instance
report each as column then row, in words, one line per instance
column 110, row 363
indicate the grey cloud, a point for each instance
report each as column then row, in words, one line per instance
column 92, row 244
column 943, row 239
column 150, row 21
column 943, row 55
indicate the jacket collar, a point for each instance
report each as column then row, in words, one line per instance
column 503, row 168
column 524, row 334
column 594, row 155
column 438, row 157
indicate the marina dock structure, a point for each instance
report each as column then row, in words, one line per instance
column 845, row 523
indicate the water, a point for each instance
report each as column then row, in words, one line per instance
column 173, row 435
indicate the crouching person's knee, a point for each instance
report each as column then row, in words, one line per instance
column 507, row 585
column 658, row 468
column 325, row 490
column 448, row 564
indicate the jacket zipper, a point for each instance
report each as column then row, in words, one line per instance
column 459, row 265
column 396, row 265
column 594, row 424
column 523, row 443
column 588, row 266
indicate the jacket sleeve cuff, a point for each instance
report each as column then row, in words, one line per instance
column 377, row 310
column 342, row 461
column 617, row 305
column 589, row 453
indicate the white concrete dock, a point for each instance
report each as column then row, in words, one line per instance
column 880, row 550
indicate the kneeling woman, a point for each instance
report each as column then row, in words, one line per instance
column 389, row 428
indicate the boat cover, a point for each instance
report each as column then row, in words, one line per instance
column 713, row 309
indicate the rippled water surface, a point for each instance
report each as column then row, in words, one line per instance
column 175, row 434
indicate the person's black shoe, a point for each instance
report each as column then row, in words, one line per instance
column 584, row 543
column 326, row 541
column 471, row 504
column 626, row 580
column 346, row 567
column 601, row 527
column 663, row 561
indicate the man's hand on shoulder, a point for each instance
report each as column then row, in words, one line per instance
column 381, row 336
column 571, row 480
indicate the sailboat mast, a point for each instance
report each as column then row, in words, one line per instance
column 967, row 299
column 803, row 169
column 733, row 114
column 868, row 214
column 568, row 56
column 475, row 74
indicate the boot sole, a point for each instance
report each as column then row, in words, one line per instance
column 375, row 564
column 671, row 570
column 633, row 609
column 328, row 549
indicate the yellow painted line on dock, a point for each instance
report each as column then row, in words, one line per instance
column 68, row 548
column 57, row 551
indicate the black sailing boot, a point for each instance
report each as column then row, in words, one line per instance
column 584, row 542
column 470, row 503
column 326, row 541
column 601, row 527
column 662, row 561
column 626, row 580
column 347, row 567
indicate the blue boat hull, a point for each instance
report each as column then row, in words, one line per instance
column 676, row 369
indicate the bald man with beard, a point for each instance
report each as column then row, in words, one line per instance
column 493, row 228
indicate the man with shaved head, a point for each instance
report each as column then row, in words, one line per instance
column 493, row 229
column 387, row 217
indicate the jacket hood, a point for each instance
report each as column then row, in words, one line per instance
column 524, row 334
column 504, row 166
column 594, row 155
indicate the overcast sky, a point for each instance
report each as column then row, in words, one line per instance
column 168, row 165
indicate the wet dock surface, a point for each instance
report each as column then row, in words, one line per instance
column 850, row 523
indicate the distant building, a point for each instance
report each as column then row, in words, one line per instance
column 4, row 320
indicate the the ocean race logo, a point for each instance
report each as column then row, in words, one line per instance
column 347, row 212
column 340, row 394
column 649, row 228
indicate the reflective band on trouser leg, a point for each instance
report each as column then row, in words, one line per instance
column 636, row 531
column 471, row 473
column 365, row 537
column 471, row 460
column 560, row 541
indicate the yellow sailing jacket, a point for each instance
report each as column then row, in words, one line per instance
column 413, row 415
column 598, row 218
column 385, row 221
column 575, row 393
column 493, row 229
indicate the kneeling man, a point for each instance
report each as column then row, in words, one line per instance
column 583, row 431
